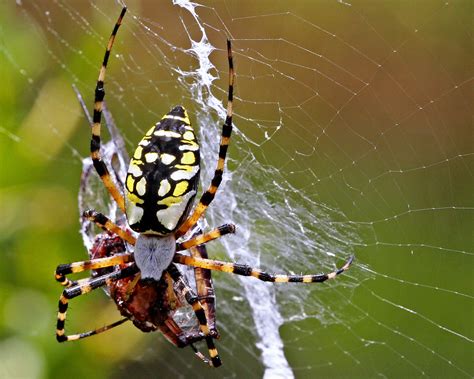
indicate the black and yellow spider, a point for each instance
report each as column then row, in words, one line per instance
column 159, row 190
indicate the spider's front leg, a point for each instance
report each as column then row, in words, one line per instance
column 83, row 288
column 99, row 165
column 209, row 195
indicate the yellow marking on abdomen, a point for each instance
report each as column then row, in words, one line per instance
column 170, row 200
column 180, row 188
column 150, row 131
column 138, row 152
column 188, row 158
column 130, row 182
column 134, row 198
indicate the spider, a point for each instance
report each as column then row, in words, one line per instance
column 159, row 190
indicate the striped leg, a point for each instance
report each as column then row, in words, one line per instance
column 81, row 289
column 245, row 270
column 206, row 237
column 78, row 336
column 104, row 223
column 92, row 264
column 205, row 288
column 208, row 196
column 193, row 300
column 99, row 164
column 109, row 122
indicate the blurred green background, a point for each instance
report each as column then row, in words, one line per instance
column 365, row 108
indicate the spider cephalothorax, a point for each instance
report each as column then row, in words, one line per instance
column 160, row 186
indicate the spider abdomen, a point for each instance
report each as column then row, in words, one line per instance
column 163, row 176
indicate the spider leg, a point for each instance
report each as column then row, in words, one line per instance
column 208, row 196
column 109, row 122
column 245, row 270
column 99, row 164
column 78, row 336
column 193, row 300
column 104, row 223
column 84, row 288
column 205, row 288
column 92, row 264
column 206, row 237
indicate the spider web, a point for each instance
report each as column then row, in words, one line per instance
column 353, row 135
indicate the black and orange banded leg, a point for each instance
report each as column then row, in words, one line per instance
column 206, row 237
column 92, row 264
column 193, row 300
column 104, row 223
column 245, row 270
column 209, row 195
column 205, row 288
column 99, row 164
column 82, row 289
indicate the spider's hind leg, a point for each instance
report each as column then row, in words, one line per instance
column 83, row 288
column 205, row 289
column 193, row 300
